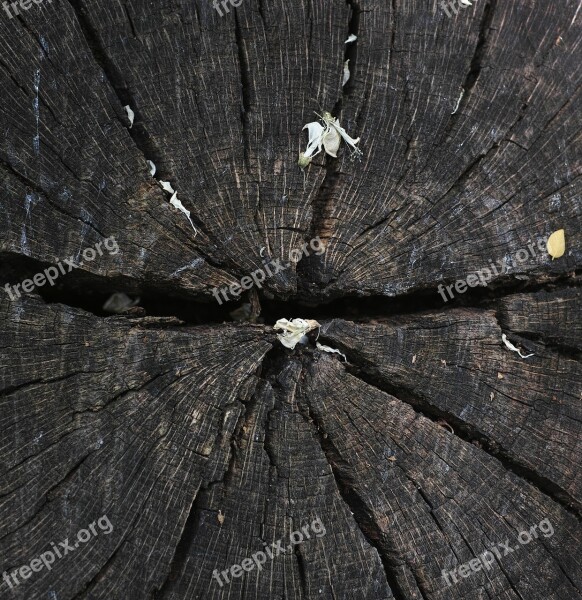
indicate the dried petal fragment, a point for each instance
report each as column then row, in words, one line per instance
column 331, row 142
column 315, row 131
column 512, row 347
column 130, row 115
column 166, row 185
column 329, row 349
column 346, row 72
column 331, row 121
column 175, row 202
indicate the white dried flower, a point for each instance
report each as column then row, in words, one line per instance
column 332, row 122
column 328, row 136
column 294, row 330
column 351, row 39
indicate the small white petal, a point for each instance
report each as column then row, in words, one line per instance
column 351, row 39
column 348, row 139
column 346, row 72
column 167, row 186
column 130, row 115
column 331, row 141
column 152, row 168
column 512, row 347
column 175, row 202
column 330, row 350
column 315, row 131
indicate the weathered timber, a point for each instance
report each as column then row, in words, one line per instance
column 415, row 468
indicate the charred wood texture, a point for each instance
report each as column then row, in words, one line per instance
column 177, row 450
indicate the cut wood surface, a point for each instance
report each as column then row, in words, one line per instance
column 177, row 450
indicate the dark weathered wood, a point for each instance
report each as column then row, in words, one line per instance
column 407, row 476
column 196, row 433
column 454, row 365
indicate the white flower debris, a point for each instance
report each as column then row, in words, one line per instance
column 556, row 244
column 346, row 72
column 119, row 302
column 175, row 202
column 152, row 168
column 294, row 330
column 130, row 115
column 466, row 2
column 167, row 186
column 324, row 348
column 329, row 136
column 459, row 101
column 512, row 347
column 351, row 39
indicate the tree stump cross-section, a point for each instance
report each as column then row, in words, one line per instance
column 421, row 441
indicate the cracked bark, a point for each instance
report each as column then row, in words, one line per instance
column 204, row 440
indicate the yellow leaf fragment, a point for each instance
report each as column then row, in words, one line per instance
column 556, row 244
column 303, row 160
